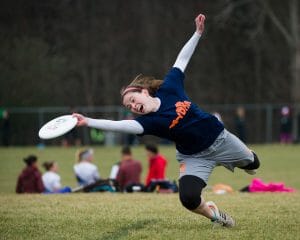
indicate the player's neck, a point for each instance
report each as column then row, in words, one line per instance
column 156, row 104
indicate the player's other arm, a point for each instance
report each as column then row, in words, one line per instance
column 188, row 49
column 124, row 126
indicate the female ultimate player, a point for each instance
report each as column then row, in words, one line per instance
column 202, row 142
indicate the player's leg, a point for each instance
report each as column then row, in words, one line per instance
column 194, row 173
column 253, row 166
column 190, row 188
column 232, row 152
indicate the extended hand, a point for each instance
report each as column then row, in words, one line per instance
column 199, row 20
column 82, row 121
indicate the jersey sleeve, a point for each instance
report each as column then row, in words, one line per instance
column 173, row 80
column 147, row 124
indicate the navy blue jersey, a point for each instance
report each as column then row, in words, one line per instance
column 180, row 120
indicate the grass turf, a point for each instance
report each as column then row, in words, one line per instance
column 148, row 216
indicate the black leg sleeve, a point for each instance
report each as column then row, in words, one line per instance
column 190, row 188
column 254, row 165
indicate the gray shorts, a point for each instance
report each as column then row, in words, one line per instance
column 227, row 151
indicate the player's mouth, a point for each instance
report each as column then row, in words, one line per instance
column 141, row 109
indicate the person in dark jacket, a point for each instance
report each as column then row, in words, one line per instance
column 30, row 179
column 129, row 173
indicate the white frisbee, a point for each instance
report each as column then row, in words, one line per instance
column 57, row 127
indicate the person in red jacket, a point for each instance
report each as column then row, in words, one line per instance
column 30, row 179
column 157, row 164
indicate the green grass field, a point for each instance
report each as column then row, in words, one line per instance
column 152, row 215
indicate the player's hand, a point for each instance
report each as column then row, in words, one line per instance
column 199, row 20
column 82, row 121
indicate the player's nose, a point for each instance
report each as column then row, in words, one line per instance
column 134, row 106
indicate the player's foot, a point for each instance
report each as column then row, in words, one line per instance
column 220, row 218
column 250, row 172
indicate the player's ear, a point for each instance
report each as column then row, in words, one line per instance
column 145, row 91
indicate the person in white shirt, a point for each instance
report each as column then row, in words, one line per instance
column 114, row 171
column 51, row 179
column 86, row 172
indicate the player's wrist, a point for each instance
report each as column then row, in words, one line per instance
column 87, row 121
column 198, row 33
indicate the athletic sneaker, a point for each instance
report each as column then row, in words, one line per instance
column 220, row 218
column 251, row 172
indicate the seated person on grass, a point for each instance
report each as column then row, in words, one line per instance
column 51, row 179
column 129, row 174
column 30, row 179
column 85, row 171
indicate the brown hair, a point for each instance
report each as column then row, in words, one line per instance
column 126, row 150
column 48, row 165
column 142, row 82
column 152, row 148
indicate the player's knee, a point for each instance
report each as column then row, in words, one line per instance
column 190, row 200
column 190, row 188
column 254, row 165
column 256, row 162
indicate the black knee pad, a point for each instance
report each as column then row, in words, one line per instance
column 190, row 188
column 254, row 165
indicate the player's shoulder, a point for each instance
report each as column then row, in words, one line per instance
column 174, row 72
column 173, row 80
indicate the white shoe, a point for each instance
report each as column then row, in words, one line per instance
column 220, row 217
column 250, row 172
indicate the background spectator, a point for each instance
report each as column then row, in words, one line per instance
column 129, row 173
column 114, row 171
column 157, row 164
column 30, row 179
column 86, row 172
column 5, row 128
column 286, row 125
column 240, row 123
column 51, row 179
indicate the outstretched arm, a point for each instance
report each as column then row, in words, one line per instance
column 187, row 51
column 124, row 126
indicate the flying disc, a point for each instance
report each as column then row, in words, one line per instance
column 58, row 127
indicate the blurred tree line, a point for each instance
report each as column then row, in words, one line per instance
column 72, row 52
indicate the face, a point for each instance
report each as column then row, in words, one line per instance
column 150, row 154
column 35, row 164
column 91, row 158
column 138, row 102
column 54, row 168
column 126, row 157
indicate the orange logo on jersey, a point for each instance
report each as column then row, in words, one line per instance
column 182, row 167
column 181, row 109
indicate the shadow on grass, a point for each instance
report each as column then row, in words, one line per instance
column 123, row 231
